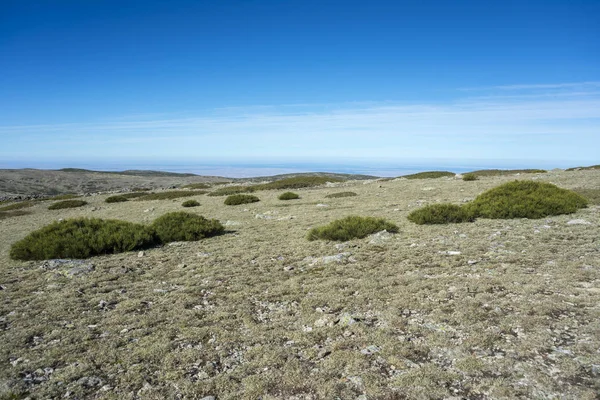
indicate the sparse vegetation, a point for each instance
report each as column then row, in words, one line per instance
column 169, row 195
column 134, row 195
column 352, row 227
column 65, row 197
column 526, row 199
column 297, row 182
column 340, row 194
column 591, row 167
column 15, row 213
column 237, row 199
column 196, row 186
column 182, row 226
column 116, row 199
column 229, row 190
column 506, row 172
column 190, row 203
column 441, row 214
column 469, row 177
column 82, row 238
column 67, row 204
column 17, row 206
column 288, row 196
column 429, row 175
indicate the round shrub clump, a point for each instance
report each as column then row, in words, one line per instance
column 182, row 226
column 441, row 214
column 469, row 177
column 526, row 199
column 352, row 227
column 236, row 199
column 82, row 238
column 116, row 199
column 288, row 196
column 190, row 203
column 340, row 194
column 67, row 204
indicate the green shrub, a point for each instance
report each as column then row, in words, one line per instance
column 65, row 197
column 236, row 199
column 288, row 196
column 229, row 190
column 352, row 227
column 441, row 214
column 469, row 177
column 182, row 226
column 296, row 183
column 82, row 238
column 197, row 186
column 429, row 175
column 190, row 203
column 17, row 206
column 506, row 172
column 593, row 195
column 67, row 204
column 134, row 195
column 172, row 194
column 16, row 213
column 591, row 167
column 116, row 199
column 341, row 194
column 526, row 199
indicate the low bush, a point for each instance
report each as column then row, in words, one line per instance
column 9, row 214
column 506, row 172
column 17, row 206
column 182, row 226
column 229, row 190
column 82, row 238
column 469, row 177
column 67, row 204
column 296, row 183
column 116, row 199
column 197, row 186
column 340, row 194
column 134, row 195
column 429, row 175
column 288, row 196
column 172, row 194
column 236, row 199
column 65, row 197
column 442, row 214
column 526, row 199
column 190, row 203
column 352, row 227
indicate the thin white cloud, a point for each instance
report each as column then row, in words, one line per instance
column 566, row 85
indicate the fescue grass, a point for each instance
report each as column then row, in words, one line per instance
column 593, row 195
column 288, row 196
column 172, row 194
column 340, row 194
column 237, row 199
column 441, row 214
column 352, row 227
column 67, row 204
column 469, row 177
column 526, row 199
column 82, row 238
column 190, row 203
column 182, row 226
column 505, row 172
column 229, row 190
column 17, row 206
column 116, row 199
column 429, row 175
column 296, row 183
column 197, row 186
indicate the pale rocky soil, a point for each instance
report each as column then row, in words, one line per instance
column 495, row 309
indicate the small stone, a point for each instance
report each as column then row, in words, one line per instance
column 322, row 205
column 472, row 262
column 208, row 398
column 307, row 328
column 369, row 350
column 288, row 268
column 140, row 254
column 578, row 222
column 346, row 320
column 321, row 322
column 450, row 253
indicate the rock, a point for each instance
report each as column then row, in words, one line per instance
column 265, row 216
column 90, row 381
column 369, row 350
column 450, row 253
column 288, row 268
column 321, row 322
column 355, row 380
column 232, row 223
column 472, row 262
column 140, row 254
column 578, row 222
column 346, row 320
column 338, row 258
column 208, row 398
column 380, row 237
column 322, row 205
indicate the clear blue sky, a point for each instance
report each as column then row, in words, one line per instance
column 253, row 80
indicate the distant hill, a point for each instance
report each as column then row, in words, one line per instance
column 132, row 172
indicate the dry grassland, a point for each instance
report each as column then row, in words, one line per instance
column 493, row 309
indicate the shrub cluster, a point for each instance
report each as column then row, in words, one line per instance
column 429, row 175
column 441, row 214
column 229, row 190
column 198, row 185
column 134, row 195
column 340, row 194
column 190, row 203
column 116, row 199
column 83, row 237
column 65, row 197
column 591, row 167
column 296, row 182
column 237, row 199
column 517, row 199
column 469, row 177
column 17, row 206
column 506, row 172
column 16, row 213
column 352, row 227
column 288, row 196
column 172, row 194
column 67, row 204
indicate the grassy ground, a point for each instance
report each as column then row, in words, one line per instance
column 493, row 309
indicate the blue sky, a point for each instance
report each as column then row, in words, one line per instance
column 117, row 82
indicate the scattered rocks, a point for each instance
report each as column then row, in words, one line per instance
column 370, row 350
column 90, row 381
column 380, row 237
